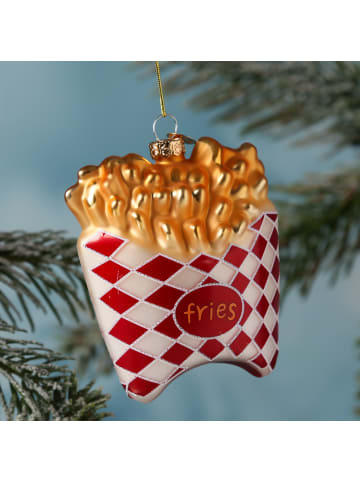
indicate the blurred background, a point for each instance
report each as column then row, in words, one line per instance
column 56, row 117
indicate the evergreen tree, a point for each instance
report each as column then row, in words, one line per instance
column 35, row 383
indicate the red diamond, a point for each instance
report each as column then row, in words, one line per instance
column 258, row 224
column 205, row 263
column 211, row 348
column 111, row 271
column 166, row 297
column 209, row 280
column 118, row 301
column 240, row 282
column 260, row 361
column 259, row 246
column 262, row 336
column 127, row 331
column 104, row 244
column 276, row 302
column 261, row 276
column 168, row 328
column 275, row 332
column 276, row 269
column 274, row 359
column 177, row 354
column 246, row 313
column 262, row 306
column 160, row 268
column 236, row 256
column 142, row 387
column 274, row 240
column 240, row 343
column 134, row 361
column 272, row 216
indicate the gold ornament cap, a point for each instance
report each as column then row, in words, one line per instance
column 173, row 146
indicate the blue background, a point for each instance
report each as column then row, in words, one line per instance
column 56, row 117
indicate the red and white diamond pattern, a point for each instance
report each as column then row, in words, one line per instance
column 134, row 293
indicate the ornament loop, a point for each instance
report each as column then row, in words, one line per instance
column 160, row 117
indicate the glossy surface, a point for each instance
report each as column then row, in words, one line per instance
column 142, row 299
column 180, row 207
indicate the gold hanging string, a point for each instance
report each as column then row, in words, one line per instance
column 162, row 103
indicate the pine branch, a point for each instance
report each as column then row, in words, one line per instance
column 40, row 386
column 286, row 97
column 319, row 228
column 38, row 267
column 85, row 342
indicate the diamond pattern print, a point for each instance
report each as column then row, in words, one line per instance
column 158, row 350
column 127, row 331
column 211, row 348
column 240, row 343
column 205, row 263
column 177, row 354
column 111, row 271
column 118, row 301
column 261, row 276
column 160, row 268
column 236, row 256
column 168, row 327
column 134, row 361
column 104, row 243
column 142, row 387
column 166, row 297
column 262, row 336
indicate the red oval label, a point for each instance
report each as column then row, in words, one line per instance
column 209, row 311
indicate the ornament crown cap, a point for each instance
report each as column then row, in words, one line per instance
column 173, row 147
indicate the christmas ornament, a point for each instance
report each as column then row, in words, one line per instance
column 181, row 260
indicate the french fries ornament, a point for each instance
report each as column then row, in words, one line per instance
column 181, row 260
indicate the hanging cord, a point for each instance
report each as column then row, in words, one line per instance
column 162, row 103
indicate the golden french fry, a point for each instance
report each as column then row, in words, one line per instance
column 249, row 153
column 116, row 212
column 95, row 204
column 140, row 226
column 161, row 201
column 220, row 237
column 141, row 199
column 239, row 190
column 130, row 173
column 220, row 212
column 239, row 223
column 221, row 180
column 201, row 200
column 196, row 235
column 238, row 166
column 88, row 172
column 115, row 184
column 258, row 184
column 198, row 175
column 168, row 234
column 182, row 201
column 249, row 208
column 73, row 198
column 207, row 151
column 153, row 178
